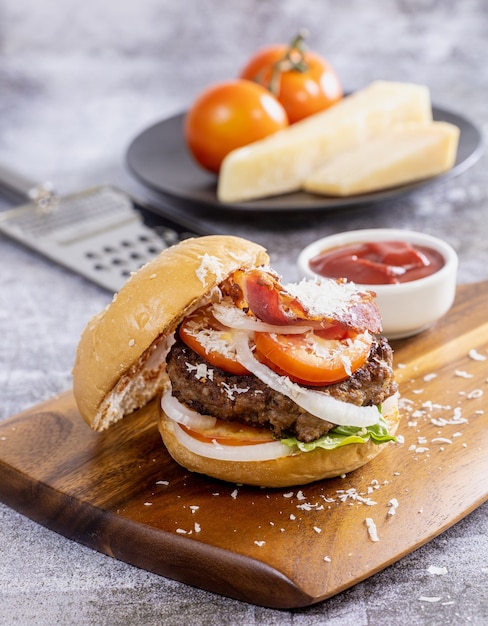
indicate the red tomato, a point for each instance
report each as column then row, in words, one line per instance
column 312, row 359
column 302, row 81
column 230, row 434
column 209, row 339
column 228, row 116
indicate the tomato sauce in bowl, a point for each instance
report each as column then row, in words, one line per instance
column 378, row 262
column 413, row 274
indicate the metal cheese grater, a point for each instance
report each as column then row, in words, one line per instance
column 97, row 233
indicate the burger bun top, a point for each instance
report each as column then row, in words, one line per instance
column 120, row 360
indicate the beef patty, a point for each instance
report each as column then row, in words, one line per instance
column 211, row 391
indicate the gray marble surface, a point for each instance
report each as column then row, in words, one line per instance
column 77, row 82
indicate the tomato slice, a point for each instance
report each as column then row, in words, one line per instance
column 313, row 359
column 230, row 434
column 210, row 339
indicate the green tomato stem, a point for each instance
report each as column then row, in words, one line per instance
column 292, row 61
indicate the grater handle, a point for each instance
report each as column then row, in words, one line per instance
column 18, row 186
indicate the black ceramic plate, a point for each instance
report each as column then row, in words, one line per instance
column 160, row 160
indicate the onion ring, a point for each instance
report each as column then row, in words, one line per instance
column 183, row 415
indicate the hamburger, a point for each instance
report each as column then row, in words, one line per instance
column 260, row 382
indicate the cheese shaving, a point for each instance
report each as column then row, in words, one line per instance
column 210, row 267
column 326, row 298
column 371, row 526
column 476, row 356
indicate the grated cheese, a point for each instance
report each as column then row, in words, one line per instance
column 230, row 391
column 463, row 374
column 201, row 371
column 372, row 531
column 392, row 506
column 211, row 340
column 308, row 506
column 327, row 499
column 325, row 298
column 352, row 494
column 419, row 449
column 210, row 265
column 476, row 356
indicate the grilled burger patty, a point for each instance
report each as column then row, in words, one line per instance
column 211, row 391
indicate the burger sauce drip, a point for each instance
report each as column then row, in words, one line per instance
column 378, row 263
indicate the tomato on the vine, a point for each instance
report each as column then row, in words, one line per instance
column 302, row 80
column 230, row 115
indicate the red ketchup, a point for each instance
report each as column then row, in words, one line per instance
column 378, row 262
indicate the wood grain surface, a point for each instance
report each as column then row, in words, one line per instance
column 120, row 493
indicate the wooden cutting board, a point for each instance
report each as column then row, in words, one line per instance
column 120, row 493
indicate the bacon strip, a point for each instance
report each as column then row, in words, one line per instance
column 261, row 292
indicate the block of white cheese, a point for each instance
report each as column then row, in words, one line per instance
column 281, row 162
column 400, row 155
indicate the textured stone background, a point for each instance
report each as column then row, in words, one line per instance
column 77, row 82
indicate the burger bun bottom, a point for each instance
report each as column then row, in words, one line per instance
column 288, row 471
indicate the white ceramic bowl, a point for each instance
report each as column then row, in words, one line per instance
column 406, row 308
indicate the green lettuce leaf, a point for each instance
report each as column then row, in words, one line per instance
column 343, row 436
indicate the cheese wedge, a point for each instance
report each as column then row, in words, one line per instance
column 281, row 162
column 398, row 156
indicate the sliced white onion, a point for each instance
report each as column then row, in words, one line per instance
column 317, row 403
column 256, row 452
column 183, row 415
column 388, row 404
column 232, row 317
